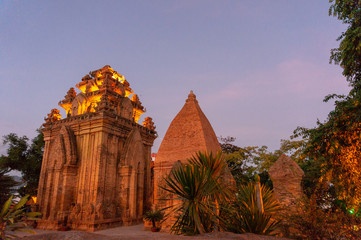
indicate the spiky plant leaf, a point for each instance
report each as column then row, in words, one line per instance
column 198, row 188
column 245, row 215
column 6, row 206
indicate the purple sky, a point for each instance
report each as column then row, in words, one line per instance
column 259, row 68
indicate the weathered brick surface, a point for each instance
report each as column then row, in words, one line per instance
column 188, row 133
column 286, row 176
column 96, row 167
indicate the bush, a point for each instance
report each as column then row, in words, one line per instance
column 245, row 216
column 154, row 216
column 198, row 188
column 13, row 216
column 310, row 221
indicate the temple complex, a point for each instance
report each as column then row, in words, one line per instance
column 96, row 170
column 188, row 133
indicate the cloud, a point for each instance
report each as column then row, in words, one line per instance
column 296, row 78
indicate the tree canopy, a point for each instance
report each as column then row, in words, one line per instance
column 24, row 157
column 7, row 185
column 333, row 147
column 348, row 54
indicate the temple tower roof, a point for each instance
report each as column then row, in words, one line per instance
column 189, row 132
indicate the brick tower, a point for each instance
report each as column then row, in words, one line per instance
column 188, row 133
column 96, row 169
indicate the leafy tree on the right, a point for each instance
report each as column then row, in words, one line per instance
column 334, row 146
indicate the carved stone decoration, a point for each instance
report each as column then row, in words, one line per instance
column 104, row 104
column 86, row 78
column 136, row 100
column 70, row 95
column 88, row 212
column 120, row 89
column 88, row 87
column 125, row 109
column 66, row 103
column 80, row 105
column 75, row 212
column 109, row 211
column 286, row 176
column 99, row 211
column 59, row 155
column 148, row 123
column 96, row 165
column 53, row 116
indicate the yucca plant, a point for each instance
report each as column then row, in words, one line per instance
column 245, row 215
column 13, row 216
column 217, row 167
column 197, row 187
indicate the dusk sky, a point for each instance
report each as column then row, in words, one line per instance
column 259, row 68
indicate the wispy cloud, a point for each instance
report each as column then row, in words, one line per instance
column 296, row 78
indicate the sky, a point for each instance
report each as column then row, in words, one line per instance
column 259, row 68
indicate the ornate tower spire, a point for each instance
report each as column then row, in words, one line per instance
column 191, row 97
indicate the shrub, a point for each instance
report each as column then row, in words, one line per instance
column 244, row 215
column 13, row 216
column 310, row 221
column 198, row 189
column 154, row 216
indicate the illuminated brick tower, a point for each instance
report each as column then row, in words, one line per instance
column 96, row 166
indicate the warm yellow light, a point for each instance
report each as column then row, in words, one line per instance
column 118, row 77
column 136, row 114
column 127, row 93
column 34, row 198
column 94, row 88
column 81, row 87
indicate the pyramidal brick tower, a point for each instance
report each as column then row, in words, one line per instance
column 188, row 133
column 96, row 170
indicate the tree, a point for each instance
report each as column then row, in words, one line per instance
column 25, row 158
column 226, row 144
column 154, row 216
column 245, row 162
column 348, row 54
column 245, row 216
column 7, row 185
column 334, row 146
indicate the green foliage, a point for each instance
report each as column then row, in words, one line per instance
column 348, row 54
column 310, row 221
column 7, row 185
column 25, row 158
column 154, row 216
column 334, row 149
column 245, row 162
column 198, row 189
column 13, row 217
column 226, row 144
column 245, row 216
